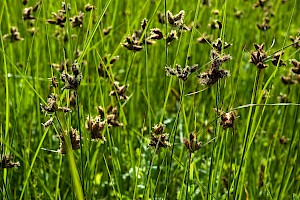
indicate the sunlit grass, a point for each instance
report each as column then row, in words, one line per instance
column 256, row 158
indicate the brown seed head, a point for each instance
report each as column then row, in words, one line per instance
column 144, row 23
column 89, row 7
column 6, row 162
column 283, row 140
column 227, row 119
column 287, row 80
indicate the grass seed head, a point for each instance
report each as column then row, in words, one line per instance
column 259, row 3
column 159, row 128
column 48, row 123
column 287, row 80
column 204, row 38
column 36, row 6
column 27, row 14
column 258, row 57
column 119, row 91
column 171, row 36
column 107, row 30
column 161, row 18
column 227, row 119
column 77, row 20
column 101, row 111
column 215, row 24
column 175, row 20
column 219, row 45
column 159, row 141
column 89, row 7
column 261, row 176
column 132, row 44
column 296, row 41
column 14, row 35
column 182, row 73
column 64, row 109
column 296, row 68
column 277, row 61
column 210, row 77
column 51, row 106
column 75, row 141
column 156, row 34
column 95, row 127
column 192, row 144
column 283, row 140
column 6, row 162
column 144, row 23
column 206, row 3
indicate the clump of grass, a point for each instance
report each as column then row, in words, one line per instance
column 118, row 158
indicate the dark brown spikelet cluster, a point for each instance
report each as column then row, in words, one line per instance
column 204, row 38
column 161, row 18
column 258, row 57
column 181, row 73
column 292, row 79
column 260, row 3
column 288, row 80
column 132, row 44
column 119, row 91
column 283, row 140
column 48, row 123
column 63, row 65
column 264, row 25
column 296, row 68
column 14, row 35
column 95, row 126
column 192, row 144
column 156, row 34
column 77, row 20
column 159, row 139
column 107, row 30
column 261, row 176
column 176, row 20
column 215, row 73
column 296, row 41
column 227, row 119
column 88, row 7
column 51, row 106
column 112, row 117
column 238, row 13
column 106, row 62
column 59, row 18
column 215, row 24
column 206, row 2
column 27, row 12
column 219, row 45
column 136, row 40
column 267, row 14
column 171, row 36
column 74, row 138
column 54, row 82
column 6, row 162
column 72, row 82
column 277, row 61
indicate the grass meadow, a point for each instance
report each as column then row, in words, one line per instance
column 155, row 99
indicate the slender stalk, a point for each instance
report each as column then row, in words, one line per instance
column 80, row 141
column 188, row 176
